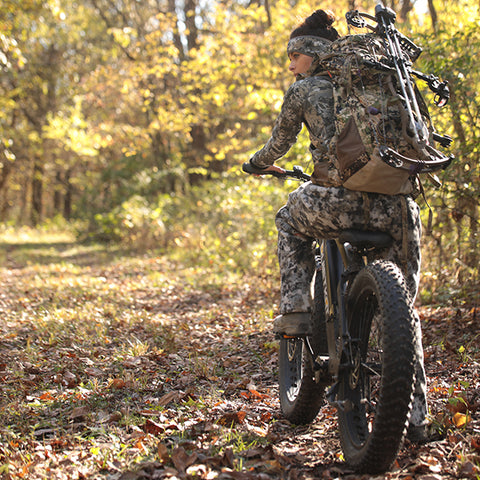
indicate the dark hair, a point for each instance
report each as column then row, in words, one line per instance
column 318, row 24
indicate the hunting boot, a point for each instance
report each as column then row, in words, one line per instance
column 296, row 324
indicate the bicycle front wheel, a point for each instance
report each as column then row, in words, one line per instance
column 301, row 397
column 376, row 392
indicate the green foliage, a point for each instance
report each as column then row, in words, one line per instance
column 133, row 223
column 450, row 53
column 228, row 221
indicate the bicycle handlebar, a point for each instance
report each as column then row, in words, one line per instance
column 296, row 173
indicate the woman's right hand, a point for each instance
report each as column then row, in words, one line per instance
column 274, row 168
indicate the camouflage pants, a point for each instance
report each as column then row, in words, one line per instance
column 314, row 212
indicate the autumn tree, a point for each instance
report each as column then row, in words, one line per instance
column 451, row 45
column 55, row 48
column 106, row 100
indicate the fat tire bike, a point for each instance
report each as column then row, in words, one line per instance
column 361, row 354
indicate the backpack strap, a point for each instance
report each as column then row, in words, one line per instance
column 430, row 212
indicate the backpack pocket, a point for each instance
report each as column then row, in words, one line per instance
column 351, row 152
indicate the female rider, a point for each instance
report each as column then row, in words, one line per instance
column 322, row 208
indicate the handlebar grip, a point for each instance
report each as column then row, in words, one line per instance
column 247, row 167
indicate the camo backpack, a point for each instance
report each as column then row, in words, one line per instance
column 374, row 148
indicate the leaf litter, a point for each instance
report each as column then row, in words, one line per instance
column 136, row 367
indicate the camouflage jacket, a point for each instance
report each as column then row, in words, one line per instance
column 310, row 101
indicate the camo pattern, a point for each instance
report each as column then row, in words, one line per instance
column 308, row 45
column 313, row 212
column 351, row 53
column 309, row 101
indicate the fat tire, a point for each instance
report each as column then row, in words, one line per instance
column 301, row 398
column 372, row 430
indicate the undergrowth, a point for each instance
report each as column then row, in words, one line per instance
column 228, row 225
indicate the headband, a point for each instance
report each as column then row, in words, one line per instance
column 308, row 45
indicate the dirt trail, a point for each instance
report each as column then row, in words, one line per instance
column 126, row 367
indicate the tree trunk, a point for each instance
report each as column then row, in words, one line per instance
column 57, row 193
column 433, row 15
column 190, row 14
column 405, row 8
column 269, row 16
column 68, row 197
column 4, row 174
column 176, row 36
column 37, row 192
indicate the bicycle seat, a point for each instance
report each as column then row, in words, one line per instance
column 364, row 239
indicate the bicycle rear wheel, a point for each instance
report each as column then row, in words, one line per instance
column 376, row 392
column 300, row 396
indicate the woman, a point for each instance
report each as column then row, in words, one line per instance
column 322, row 208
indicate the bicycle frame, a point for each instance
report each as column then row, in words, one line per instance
column 338, row 266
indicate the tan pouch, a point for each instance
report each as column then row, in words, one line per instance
column 378, row 177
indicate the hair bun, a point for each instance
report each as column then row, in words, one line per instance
column 318, row 24
column 320, row 19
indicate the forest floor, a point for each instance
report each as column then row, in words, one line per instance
column 116, row 365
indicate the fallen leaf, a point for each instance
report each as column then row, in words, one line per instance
column 454, row 438
column 182, row 460
column 460, row 419
column 231, row 418
column 69, row 379
column 255, row 452
column 162, row 452
column 94, row 372
column 46, row 396
column 475, row 443
column 431, row 463
column 132, row 362
column 79, row 412
column 266, row 416
column 117, row 383
column 168, row 397
column 114, row 417
column 457, row 405
column 256, row 394
column 227, row 459
column 469, row 470
column 153, row 427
